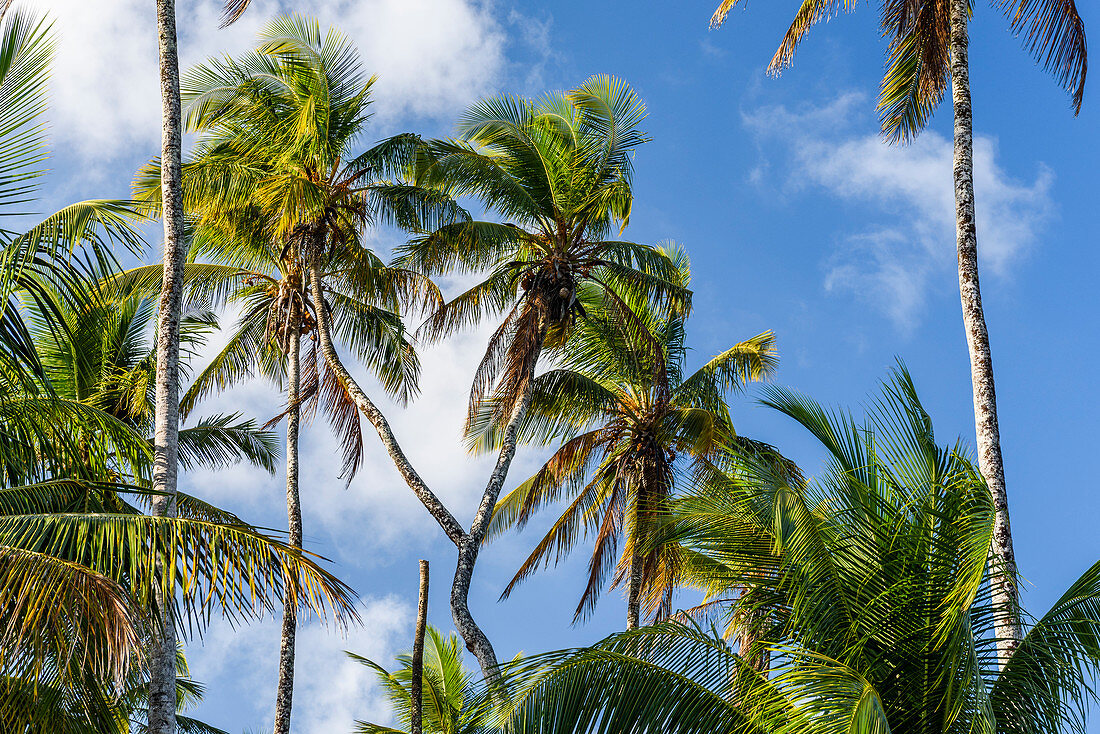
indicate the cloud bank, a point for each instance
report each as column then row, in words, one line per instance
column 907, row 193
column 432, row 57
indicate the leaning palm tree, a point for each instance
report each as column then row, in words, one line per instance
column 453, row 703
column 928, row 45
column 871, row 587
column 628, row 416
column 558, row 172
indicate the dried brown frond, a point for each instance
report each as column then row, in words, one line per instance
column 1055, row 36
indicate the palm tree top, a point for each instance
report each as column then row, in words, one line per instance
column 918, row 51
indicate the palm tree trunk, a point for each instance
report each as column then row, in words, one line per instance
column 468, row 544
column 162, row 662
column 285, row 691
column 634, row 592
column 417, row 717
column 1003, row 566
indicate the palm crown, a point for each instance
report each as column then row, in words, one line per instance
column 918, row 53
column 871, row 590
column 559, row 171
column 628, row 414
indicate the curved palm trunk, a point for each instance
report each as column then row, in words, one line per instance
column 1003, row 566
column 467, row 543
column 162, row 659
column 285, row 690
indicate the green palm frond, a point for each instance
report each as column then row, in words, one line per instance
column 223, row 440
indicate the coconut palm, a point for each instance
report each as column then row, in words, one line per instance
column 628, row 418
column 275, row 204
column 99, row 356
column 928, row 44
column 252, row 273
column 558, row 172
column 871, row 585
column 162, row 686
column 81, row 578
column 453, row 703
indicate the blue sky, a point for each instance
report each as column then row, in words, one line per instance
column 798, row 219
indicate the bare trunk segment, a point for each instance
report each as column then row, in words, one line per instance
column 417, row 715
column 634, row 592
column 162, row 662
column 1003, row 566
column 284, row 696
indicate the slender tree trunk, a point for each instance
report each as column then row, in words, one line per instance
column 1003, row 566
column 285, row 692
column 418, row 653
column 468, row 544
column 634, row 592
column 162, row 659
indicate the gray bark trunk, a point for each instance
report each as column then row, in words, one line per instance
column 634, row 593
column 468, row 544
column 1003, row 559
column 417, row 716
column 285, row 691
column 162, row 659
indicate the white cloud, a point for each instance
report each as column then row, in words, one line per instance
column 909, row 190
column 432, row 56
column 331, row 690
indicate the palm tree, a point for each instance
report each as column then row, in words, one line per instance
column 255, row 186
column 629, row 416
column 96, row 353
column 80, row 575
column 452, row 702
column 928, row 44
column 872, row 583
column 251, row 272
column 97, row 396
column 558, row 171
column 162, row 689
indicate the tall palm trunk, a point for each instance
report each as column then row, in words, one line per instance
column 162, row 662
column 1003, row 571
column 285, row 690
column 416, row 718
column 634, row 591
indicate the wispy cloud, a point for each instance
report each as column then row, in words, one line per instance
column 908, row 241
column 432, row 57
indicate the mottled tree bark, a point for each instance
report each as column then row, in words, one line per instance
column 417, row 714
column 284, row 695
column 162, row 658
column 634, row 592
column 1003, row 559
column 467, row 543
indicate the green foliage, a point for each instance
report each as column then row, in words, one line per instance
column 452, row 702
column 558, row 173
column 867, row 584
column 626, row 416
